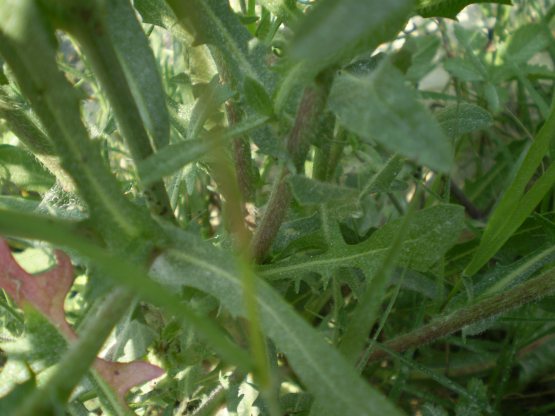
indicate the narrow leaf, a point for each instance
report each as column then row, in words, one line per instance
column 141, row 69
column 175, row 156
column 515, row 205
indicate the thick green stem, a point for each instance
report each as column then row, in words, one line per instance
column 530, row 291
column 85, row 22
column 27, row 45
column 298, row 143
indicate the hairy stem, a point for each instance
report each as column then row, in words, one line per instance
column 489, row 307
column 298, row 142
column 86, row 24
column 28, row 48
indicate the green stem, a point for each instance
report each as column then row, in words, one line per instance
column 27, row 46
column 127, row 273
column 80, row 357
column 86, row 24
column 530, row 291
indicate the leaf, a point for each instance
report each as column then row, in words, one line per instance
column 22, row 169
column 432, row 410
column 379, row 106
column 423, row 50
column 312, row 192
column 463, row 118
column 449, row 8
column 517, row 202
column 10, row 402
column 211, row 98
column 463, row 69
column 431, row 233
column 286, row 10
column 319, row 366
column 505, row 277
column 337, row 30
column 385, row 177
column 476, row 405
column 155, row 12
column 213, row 22
column 46, row 292
column 175, row 156
column 257, row 97
column 140, row 67
column 525, row 42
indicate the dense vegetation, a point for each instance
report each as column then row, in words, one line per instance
column 277, row 207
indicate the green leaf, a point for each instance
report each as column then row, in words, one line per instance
column 379, row 106
column 525, row 42
column 257, row 97
column 10, row 402
column 140, row 67
column 517, row 202
column 286, row 10
column 155, row 12
column 38, row 349
column 213, row 95
column 27, row 45
column 22, row 169
column 431, row 233
column 463, row 118
column 337, row 30
column 384, row 178
column 431, row 410
column 463, row 69
column 449, row 8
column 319, row 366
column 175, row 156
column 312, row 192
column 214, row 23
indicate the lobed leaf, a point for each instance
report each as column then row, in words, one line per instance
column 321, row 368
column 431, row 233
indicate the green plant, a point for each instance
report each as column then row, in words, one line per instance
column 269, row 203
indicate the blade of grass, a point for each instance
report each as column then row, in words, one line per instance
column 515, row 205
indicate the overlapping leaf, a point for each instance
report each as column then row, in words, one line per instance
column 321, row 368
column 431, row 233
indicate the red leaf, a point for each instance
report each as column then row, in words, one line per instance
column 46, row 292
